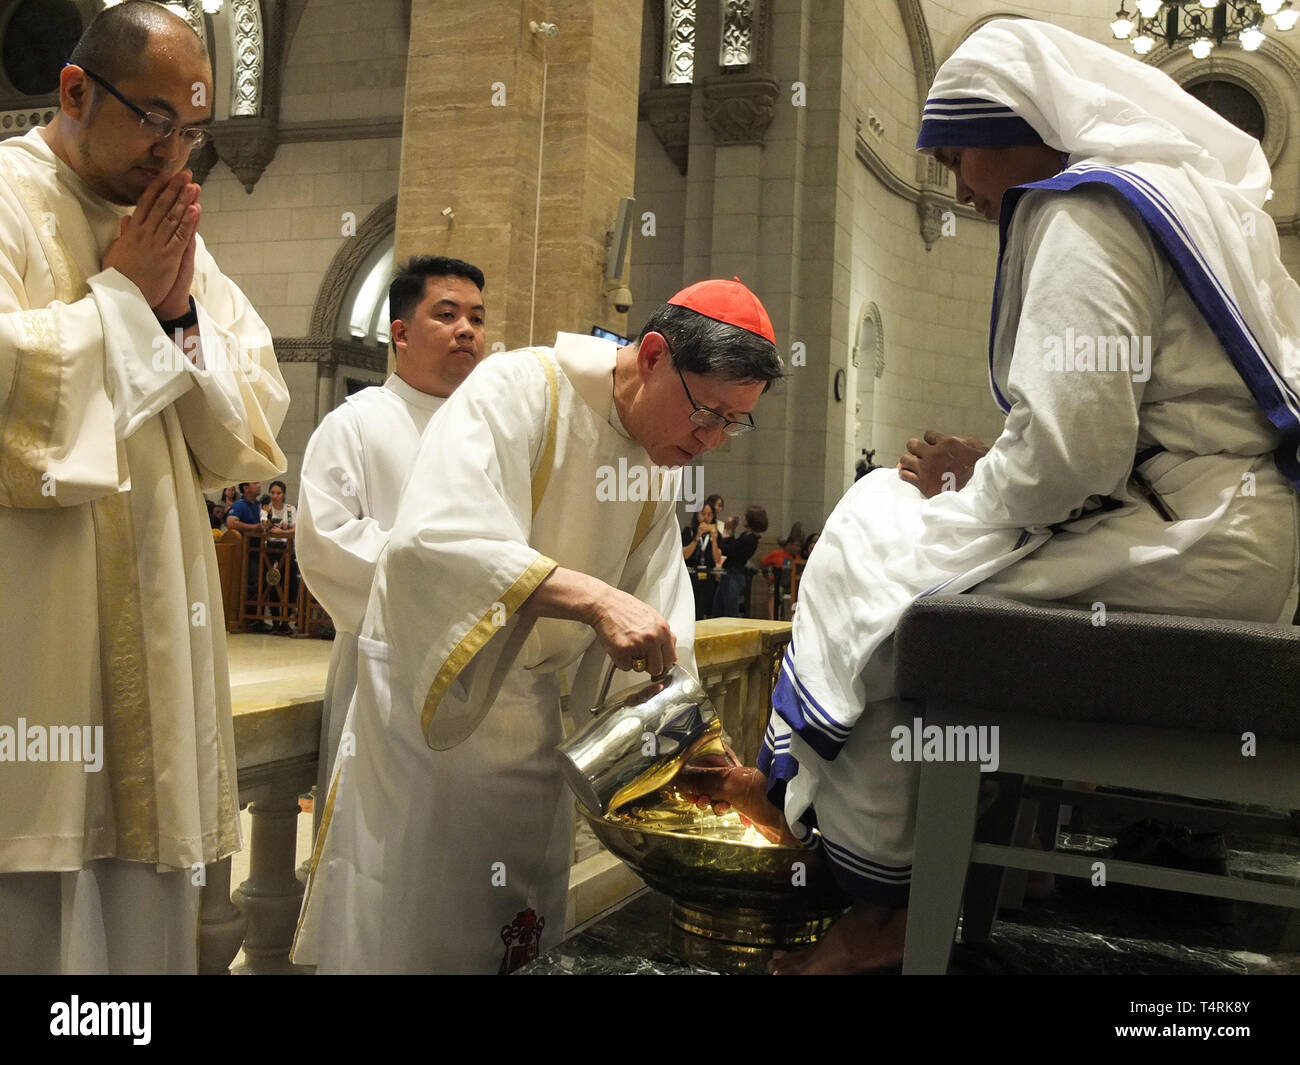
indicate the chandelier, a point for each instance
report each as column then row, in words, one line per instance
column 1202, row 24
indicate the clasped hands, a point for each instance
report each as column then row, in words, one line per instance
column 939, row 462
column 156, row 245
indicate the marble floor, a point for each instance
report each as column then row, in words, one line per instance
column 1076, row 930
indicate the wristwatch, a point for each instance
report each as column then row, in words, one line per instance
column 189, row 318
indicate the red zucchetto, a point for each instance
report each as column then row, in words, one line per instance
column 727, row 301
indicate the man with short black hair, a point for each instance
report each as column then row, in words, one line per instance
column 246, row 514
column 448, row 827
column 133, row 375
column 359, row 456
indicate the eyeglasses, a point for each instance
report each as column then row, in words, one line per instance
column 711, row 419
column 159, row 127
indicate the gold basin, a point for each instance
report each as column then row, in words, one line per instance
column 736, row 897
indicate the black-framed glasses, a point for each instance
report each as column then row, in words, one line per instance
column 711, row 419
column 159, row 127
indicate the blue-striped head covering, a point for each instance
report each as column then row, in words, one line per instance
column 1197, row 181
column 972, row 122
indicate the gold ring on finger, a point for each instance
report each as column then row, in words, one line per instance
column 638, row 665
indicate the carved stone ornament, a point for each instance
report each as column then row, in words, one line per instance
column 737, row 33
column 202, row 160
column 247, row 146
column 931, row 208
column 246, row 80
column 668, row 110
column 679, row 42
column 739, row 108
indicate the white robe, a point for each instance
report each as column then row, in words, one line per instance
column 1083, row 262
column 353, row 471
column 429, row 858
column 113, row 612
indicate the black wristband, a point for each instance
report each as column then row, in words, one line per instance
column 189, row 318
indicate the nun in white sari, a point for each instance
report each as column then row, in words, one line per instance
column 1142, row 350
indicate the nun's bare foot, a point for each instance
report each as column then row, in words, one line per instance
column 723, row 786
column 866, row 939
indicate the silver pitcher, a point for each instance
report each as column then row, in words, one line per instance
column 639, row 743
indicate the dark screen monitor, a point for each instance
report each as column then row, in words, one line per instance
column 607, row 334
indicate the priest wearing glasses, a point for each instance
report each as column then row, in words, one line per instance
column 446, row 839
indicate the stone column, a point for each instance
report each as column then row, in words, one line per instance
column 326, row 375
column 221, row 924
column 272, row 895
column 471, row 144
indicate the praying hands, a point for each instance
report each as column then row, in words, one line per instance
column 155, row 250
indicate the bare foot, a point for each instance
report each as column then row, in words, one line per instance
column 866, row 939
column 745, row 788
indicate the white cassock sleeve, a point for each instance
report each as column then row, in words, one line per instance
column 338, row 544
column 655, row 575
column 459, row 564
column 1089, row 270
column 232, row 415
column 58, row 441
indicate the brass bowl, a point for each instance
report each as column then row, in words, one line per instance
column 736, row 897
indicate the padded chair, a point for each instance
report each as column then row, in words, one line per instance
column 1172, row 705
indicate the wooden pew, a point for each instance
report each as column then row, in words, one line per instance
column 230, row 567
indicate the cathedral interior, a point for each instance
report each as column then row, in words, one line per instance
column 593, row 157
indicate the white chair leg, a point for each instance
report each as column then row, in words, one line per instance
column 945, row 830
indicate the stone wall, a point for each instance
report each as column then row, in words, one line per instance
column 277, row 241
column 825, row 238
column 343, row 81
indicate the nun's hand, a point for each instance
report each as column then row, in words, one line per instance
column 939, row 462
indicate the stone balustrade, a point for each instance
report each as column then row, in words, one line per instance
column 277, row 730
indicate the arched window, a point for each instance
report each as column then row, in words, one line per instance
column 1234, row 102
column 368, row 319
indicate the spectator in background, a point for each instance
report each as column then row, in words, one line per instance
column 717, row 503
column 738, row 550
column 246, row 514
column 702, row 553
column 808, row 545
column 218, row 511
column 783, row 554
column 278, row 513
